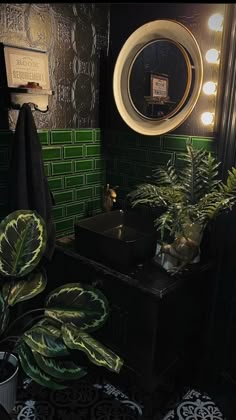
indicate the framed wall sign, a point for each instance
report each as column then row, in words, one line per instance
column 159, row 86
column 26, row 66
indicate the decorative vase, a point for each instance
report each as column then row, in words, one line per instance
column 185, row 249
column 9, row 386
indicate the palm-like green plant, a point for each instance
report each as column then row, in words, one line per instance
column 62, row 325
column 190, row 198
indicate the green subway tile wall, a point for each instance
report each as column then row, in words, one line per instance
column 75, row 166
column 132, row 156
column 75, row 169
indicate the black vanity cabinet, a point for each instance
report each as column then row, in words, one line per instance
column 157, row 322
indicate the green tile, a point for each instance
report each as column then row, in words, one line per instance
column 74, row 181
column 178, row 162
column 95, row 178
column 66, row 224
column 58, row 212
column 208, row 144
column 150, row 141
column 98, row 190
column 52, row 153
column 83, row 165
column 47, row 169
column 74, row 209
column 135, row 154
column 159, row 158
column 97, row 204
column 132, row 182
column 125, row 167
column 97, row 135
column 84, row 135
column 43, row 137
column 55, row 183
column 93, row 150
column 6, row 137
column 63, row 197
column 61, row 136
column 143, row 170
column 73, row 152
column 99, row 163
column 175, row 142
column 84, row 193
column 62, row 168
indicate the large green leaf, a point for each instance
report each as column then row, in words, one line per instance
column 81, row 305
column 31, row 368
column 25, row 288
column 22, row 242
column 60, row 369
column 96, row 352
column 51, row 325
column 45, row 342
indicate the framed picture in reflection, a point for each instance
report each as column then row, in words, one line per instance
column 159, row 86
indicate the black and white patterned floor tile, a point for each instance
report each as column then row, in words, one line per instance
column 83, row 401
column 195, row 405
column 98, row 399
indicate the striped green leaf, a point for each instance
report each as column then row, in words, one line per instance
column 31, row 368
column 25, row 288
column 60, row 369
column 51, row 325
column 22, row 242
column 77, row 304
column 96, row 352
column 45, row 342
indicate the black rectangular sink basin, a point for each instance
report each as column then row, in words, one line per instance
column 117, row 238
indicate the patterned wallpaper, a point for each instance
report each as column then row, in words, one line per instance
column 74, row 35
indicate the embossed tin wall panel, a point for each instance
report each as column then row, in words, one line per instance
column 73, row 34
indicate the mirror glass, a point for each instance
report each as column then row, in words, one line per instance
column 160, row 79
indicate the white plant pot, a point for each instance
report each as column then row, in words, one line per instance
column 9, row 386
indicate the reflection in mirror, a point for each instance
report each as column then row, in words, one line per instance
column 160, row 79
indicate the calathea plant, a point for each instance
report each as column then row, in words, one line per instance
column 22, row 244
column 190, row 197
column 71, row 312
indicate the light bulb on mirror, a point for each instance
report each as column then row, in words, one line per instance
column 207, row 118
column 212, row 56
column 215, row 22
column 209, row 88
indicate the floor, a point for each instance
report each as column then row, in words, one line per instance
column 97, row 398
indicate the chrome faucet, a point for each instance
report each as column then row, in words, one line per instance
column 109, row 197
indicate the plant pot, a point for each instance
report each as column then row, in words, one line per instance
column 9, row 386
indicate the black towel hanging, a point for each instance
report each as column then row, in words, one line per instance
column 28, row 185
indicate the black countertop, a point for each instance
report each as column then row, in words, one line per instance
column 148, row 277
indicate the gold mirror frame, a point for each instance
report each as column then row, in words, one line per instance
column 151, row 31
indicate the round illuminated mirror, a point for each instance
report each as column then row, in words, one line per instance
column 158, row 77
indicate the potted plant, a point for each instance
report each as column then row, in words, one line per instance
column 190, row 198
column 22, row 244
column 46, row 346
